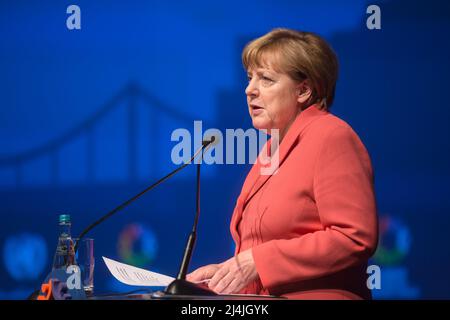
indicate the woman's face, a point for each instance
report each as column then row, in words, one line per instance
column 273, row 99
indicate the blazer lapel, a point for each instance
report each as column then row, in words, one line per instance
column 289, row 142
column 255, row 180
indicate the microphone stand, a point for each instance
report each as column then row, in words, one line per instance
column 180, row 286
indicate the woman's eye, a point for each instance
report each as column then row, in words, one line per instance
column 266, row 79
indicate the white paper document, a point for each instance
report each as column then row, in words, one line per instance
column 136, row 276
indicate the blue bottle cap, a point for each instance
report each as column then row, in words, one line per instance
column 64, row 218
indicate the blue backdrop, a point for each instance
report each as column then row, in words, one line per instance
column 86, row 117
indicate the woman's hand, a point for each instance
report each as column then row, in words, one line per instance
column 234, row 274
column 203, row 273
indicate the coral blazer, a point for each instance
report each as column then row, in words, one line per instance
column 312, row 225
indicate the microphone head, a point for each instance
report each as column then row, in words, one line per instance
column 211, row 139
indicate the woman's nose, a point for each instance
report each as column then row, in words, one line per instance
column 251, row 89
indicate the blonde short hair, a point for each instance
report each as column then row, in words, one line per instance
column 301, row 55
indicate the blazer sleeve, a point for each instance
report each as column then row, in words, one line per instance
column 344, row 196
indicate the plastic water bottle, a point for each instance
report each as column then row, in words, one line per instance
column 65, row 251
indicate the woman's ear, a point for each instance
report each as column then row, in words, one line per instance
column 304, row 92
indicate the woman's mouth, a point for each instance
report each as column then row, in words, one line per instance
column 256, row 110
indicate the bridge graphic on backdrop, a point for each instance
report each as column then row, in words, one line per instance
column 131, row 95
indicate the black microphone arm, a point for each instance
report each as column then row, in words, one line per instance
column 205, row 145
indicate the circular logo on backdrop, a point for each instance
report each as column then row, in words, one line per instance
column 137, row 245
column 25, row 256
column 395, row 241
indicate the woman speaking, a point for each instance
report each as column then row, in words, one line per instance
column 307, row 230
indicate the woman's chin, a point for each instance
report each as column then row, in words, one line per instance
column 260, row 124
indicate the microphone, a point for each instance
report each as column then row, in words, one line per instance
column 205, row 144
